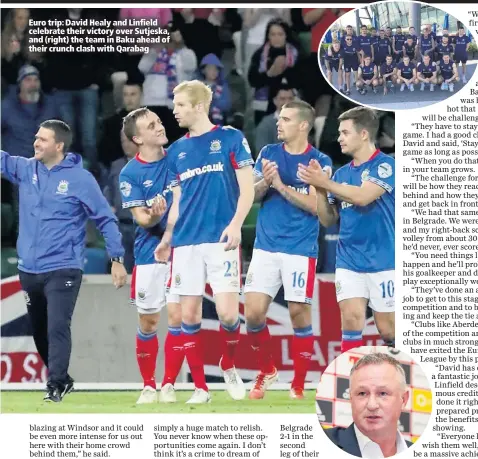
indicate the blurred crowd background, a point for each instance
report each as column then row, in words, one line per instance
column 254, row 59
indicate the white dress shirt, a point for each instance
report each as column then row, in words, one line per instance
column 371, row 450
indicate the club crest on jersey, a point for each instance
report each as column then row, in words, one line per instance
column 177, row 280
column 365, row 175
column 215, row 146
column 141, row 294
column 246, row 146
column 62, row 187
column 385, row 170
column 182, row 155
column 125, row 189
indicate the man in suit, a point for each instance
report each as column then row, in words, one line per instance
column 378, row 393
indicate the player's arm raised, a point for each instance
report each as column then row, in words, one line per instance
column 305, row 202
column 13, row 167
column 150, row 216
column 357, row 195
column 163, row 250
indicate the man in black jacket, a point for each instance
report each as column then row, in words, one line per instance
column 109, row 147
column 378, row 393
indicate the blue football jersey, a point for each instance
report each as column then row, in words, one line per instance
column 427, row 70
column 446, row 69
column 425, row 43
column 205, row 167
column 281, row 226
column 140, row 183
column 368, row 71
column 365, row 44
column 406, row 71
column 367, row 233
column 460, row 45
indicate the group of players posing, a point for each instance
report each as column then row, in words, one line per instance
column 190, row 203
column 388, row 60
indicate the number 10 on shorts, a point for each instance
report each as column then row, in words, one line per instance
column 388, row 289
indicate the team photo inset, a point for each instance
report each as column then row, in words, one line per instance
column 380, row 54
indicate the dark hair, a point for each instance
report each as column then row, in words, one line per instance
column 282, row 87
column 306, row 111
column 277, row 22
column 363, row 118
column 61, row 131
column 388, row 55
column 363, row 26
column 461, row 27
column 129, row 122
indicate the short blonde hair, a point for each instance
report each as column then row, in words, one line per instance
column 197, row 91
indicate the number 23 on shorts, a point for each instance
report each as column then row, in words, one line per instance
column 231, row 269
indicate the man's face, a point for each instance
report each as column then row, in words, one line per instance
column 382, row 34
column 349, row 30
column 406, row 60
column 289, row 124
column 131, row 97
column 367, row 61
column 399, row 30
column 363, row 31
column 389, row 31
column 336, row 47
column 150, row 131
column 185, row 114
column 412, row 30
column 426, row 60
column 410, row 41
column 45, row 146
column 21, row 19
column 348, row 41
column 377, row 399
column 388, row 60
column 374, row 32
column 211, row 72
column 350, row 139
column 30, row 84
column 444, row 40
column 283, row 97
column 446, row 59
column 461, row 32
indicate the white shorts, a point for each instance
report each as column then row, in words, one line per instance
column 268, row 271
column 192, row 265
column 148, row 288
column 378, row 288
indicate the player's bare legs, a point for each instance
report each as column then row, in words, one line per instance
column 173, row 353
column 191, row 308
column 302, row 345
column 385, row 322
column 352, row 313
column 147, row 346
column 227, row 307
column 255, row 309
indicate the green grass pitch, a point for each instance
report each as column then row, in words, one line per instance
column 125, row 402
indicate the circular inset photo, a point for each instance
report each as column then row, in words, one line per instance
column 398, row 55
column 373, row 401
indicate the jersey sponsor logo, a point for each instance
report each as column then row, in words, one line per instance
column 168, row 189
column 62, row 187
column 300, row 189
column 246, row 146
column 218, row 167
column 385, row 170
column 125, row 189
column 182, row 155
column 365, row 175
column 345, row 205
column 215, row 147
column 148, row 183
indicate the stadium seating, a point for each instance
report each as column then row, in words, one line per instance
column 9, row 261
